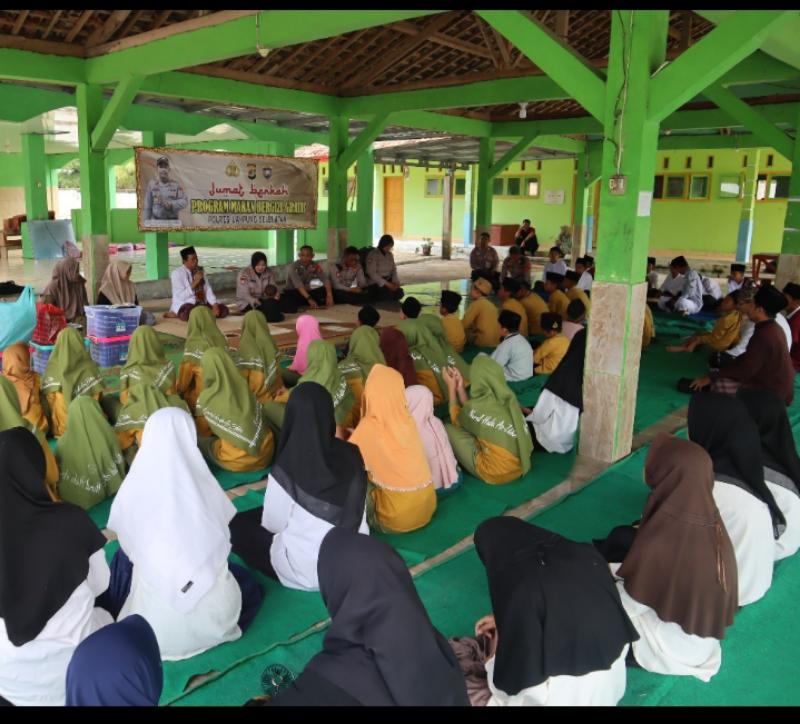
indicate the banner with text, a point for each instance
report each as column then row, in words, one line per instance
column 180, row 190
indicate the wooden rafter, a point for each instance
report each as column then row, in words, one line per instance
column 562, row 24
column 40, row 46
column 297, row 70
column 345, row 69
column 56, row 17
column 79, row 23
column 108, row 28
column 161, row 19
column 485, row 35
column 260, row 78
column 23, row 15
column 129, row 23
column 686, row 30
column 501, row 44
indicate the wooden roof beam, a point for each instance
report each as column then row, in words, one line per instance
column 21, row 18
column 56, row 16
column 108, row 28
column 79, row 23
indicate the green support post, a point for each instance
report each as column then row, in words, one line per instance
column 618, row 293
column 156, row 242
column 35, row 170
column 360, row 231
column 284, row 238
column 789, row 261
column 469, row 206
column 337, row 188
column 94, row 202
column 483, row 206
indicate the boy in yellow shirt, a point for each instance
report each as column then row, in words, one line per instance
column 548, row 354
column 573, row 291
column 558, row 301
column 725, row 333
column 508, row 295
column 480, row 319
column 535, row 307
column 448, row 309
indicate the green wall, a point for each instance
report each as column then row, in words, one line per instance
column 11, row 171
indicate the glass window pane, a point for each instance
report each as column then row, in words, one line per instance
column 432, row 187
column 676, row 186
column 532, row 186
column 514, row 186
column 461, row 187
column 781, row 187
column 497, row 186
column 658, row 187
column 699, row 187
column 325, row 187
column 761, row 187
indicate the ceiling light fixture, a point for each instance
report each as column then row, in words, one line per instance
column 263, row 50
column 523, row 111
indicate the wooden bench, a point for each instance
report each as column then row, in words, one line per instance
column 8, row 241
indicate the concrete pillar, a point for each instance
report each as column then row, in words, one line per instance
column 618, row 293
column 111, row 187
column 483, row 204
column 582, row 191
column 360, row 231
column 337, row 188
column 789, row 261
column 447, row 214
column 283, row 238
column 469, row 206
column 745, row 235
column 94, row 197
column 156, row 243
column 34, row 164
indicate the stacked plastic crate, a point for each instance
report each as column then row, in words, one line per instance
column 40, row 354
column 49, row 322
column 109, row 330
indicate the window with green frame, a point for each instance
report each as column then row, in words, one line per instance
column 461, row 186
column 699, row 187
column 772, row 186
column 669, row 186
column 434, row 186
column 516, row 186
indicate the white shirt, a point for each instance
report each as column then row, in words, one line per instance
column 298, row 537
column 733, row 285
column 559, row 267
column 597, row 688
column 745, row 332
column 515, row 355
column 789, row 503
column 585, row 282
column 787, row 330
column 182, row 292
column 35, row 674
column 711, row 287
column 673, row 285
column 555, row 422
column 652, row 279
column 749, row 527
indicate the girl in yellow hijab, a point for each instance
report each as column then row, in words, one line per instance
column 17, row 368
column 401, row 496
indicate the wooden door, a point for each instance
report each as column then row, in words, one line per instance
column 393, row 206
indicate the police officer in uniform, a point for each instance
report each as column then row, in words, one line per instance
column 307, row 284
column 163, row 198
column 251, row 289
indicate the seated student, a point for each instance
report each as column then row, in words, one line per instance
column 671, row 288
column 429, row 357
column 559, row 634
column 28, row 384
column 441, row 460
column 690, row 298
column 201, row 335
column 172, row 565
column 254, row 290
column 11, row 417
column 307, row 328
column 652, row 274
column 67, row 290
column 548, row 355
column 480, row 317
column 573, row 291
column 317, row 482
column 534, row 307
column 88, row 456
column 368, row 316
column 483, row 260
column 119, row 665
column 576, row 319
column 765, row 364
column 516, row 266
column 736, row 277
column 725, row 333
column 453, row 329
column 401, row 493
column 53, row 569
column 70, row 372
column 712, row 294
column 394, row 346
column 679, row 578
column 382, row 272
column 780, row 463
column 554, row 419
column 142, row 400
column 435, row 326
column 514, row 353
column 584, row 268
column 116, row 287
column 258, row 358
column 487, row 430
column 307, row 284
column 363, row 352
column 410, row 308
column 526, row 238
column 792, row 293
column 648, row 328
column 508, row 293
column 722, row 425
column 191, row 289
column 381, row 648
column 242, row 441
column 348, row 280
column 557, row 302
column 556, row 263
column 147, row 364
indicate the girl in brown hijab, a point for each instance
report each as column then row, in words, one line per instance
column 679, row 580
column 395, row 349
column 67, row 289
column 17, row 368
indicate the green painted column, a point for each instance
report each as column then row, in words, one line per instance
column 483, row 204
column 360, row 231
column 789, row 261
column 337, row 188
column 94, row 198
column 747, row 217
column 34, row 164
column 469, row 206
column 284, row 238
column 638, row 45
column 156, row 243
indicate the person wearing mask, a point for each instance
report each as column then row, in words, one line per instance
column 253, row 284
column 382, row 272
column 348, row 280
column 483, row 260
column 67, row 290
column 191, row 289
column 514, row 353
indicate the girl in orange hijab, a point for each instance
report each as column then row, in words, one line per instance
column 401, row 493
column 17, row 368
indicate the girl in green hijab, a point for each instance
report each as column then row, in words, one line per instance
column 429, row 358
column 489, row 435
column 142, row 400
column 363, row 353
column 242, row 441
column 11, row 416
column 146, row 364
column 88, row 454
column 454, row 359
column 70, row 373
column 202, row 334
column 258, row 358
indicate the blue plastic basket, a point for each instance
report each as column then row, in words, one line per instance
column 108, row 321
column 40, row 354
column 109, row 352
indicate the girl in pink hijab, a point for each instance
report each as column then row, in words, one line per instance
column 307, row 331
column 440, row 456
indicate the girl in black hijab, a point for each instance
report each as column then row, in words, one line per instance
column 52, row 567
column 317, row 482
column 561, row 631
column 780, row 462
column 722, row 425
column 381, row 648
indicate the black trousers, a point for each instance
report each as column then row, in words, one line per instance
column 342, row 296
column 384, row 294
column 251, row 542
column 319, row 295
column 718, row 360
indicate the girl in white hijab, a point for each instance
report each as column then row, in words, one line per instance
column 171, row 518
column 438, row 450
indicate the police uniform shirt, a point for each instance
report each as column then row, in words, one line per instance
column 300, row 276
column 250, row 286
column 381, row 268
column 347, row 278
column 155, row 196
column 484, row 259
